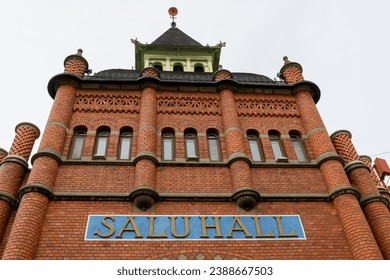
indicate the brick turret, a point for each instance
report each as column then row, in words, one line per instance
column 243, row 193
column 13, row 169
column 34, row 197
column 3, row 154
column 374, row 205
column 291, row 72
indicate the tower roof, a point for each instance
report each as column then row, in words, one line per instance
column 176, row 37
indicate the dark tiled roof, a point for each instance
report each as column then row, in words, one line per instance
column 176, row 37
column 132, row 75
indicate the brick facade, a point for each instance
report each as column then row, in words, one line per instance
column 342, row 205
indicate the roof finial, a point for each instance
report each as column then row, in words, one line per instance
column 173, row 12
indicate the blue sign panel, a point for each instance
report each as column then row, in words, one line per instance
column 213, row 227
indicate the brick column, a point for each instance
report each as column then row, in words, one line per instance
column 244, row 195
column 356, row 229
column 144, row 194
column 34, row 197
column 13, row 169
column 374, row 205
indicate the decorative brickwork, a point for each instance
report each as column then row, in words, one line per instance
column 116, row 102
column 150, row 72
column 285, row 107
column 342, row 144
column 222, row 75
column 187, row 104
column 76, row 64
column 24, row 140
column 3, row 154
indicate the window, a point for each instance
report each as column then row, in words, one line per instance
column 178, row 68
column 77, row 144
column 124, row 146
column 276, row 145
column 199, row 68
column 168, row 144
column 254, row 145
column 213, row 144
column 298, row 146
column 101, row 142
column 158, row 66
column 191, row 144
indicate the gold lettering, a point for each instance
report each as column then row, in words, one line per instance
column 280, row 228
column 241, row 227
column 173, row 227
column 151, row 230
column 134, row 228
column 107, row 225
column 270, row 234
column 207, row 226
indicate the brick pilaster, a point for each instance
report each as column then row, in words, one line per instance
column 357, row 231
column 34, row 197
column 13, row 169
column 374, row 205
column 144, row 193
column 244, row 195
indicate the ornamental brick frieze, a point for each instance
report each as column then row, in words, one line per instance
column 266, row 107
column 111, row 102
column 188, row 105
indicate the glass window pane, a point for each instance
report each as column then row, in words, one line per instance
column 77, row 147
column 168, row 149
column 255, row 152
column 213, row 148
column 101, row 146
column 125, row 148
column 299, row 151
column 190, row 148
column 276, row 149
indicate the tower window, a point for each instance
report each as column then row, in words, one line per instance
column 125, row 139
column 213, row 145
column 101, row 142
column 77, row 144
column 178, row 68
column 191, row 144
column 298, row 146
column 168, row 144
column 276, row 145
column 199, row 68
column 158, row 66
column 254, row 145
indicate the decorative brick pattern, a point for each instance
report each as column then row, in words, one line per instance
column 190, row 104
column 344, row 147
column 116, row 102
column 24, row 141
column 76, row 64
column 267, row 107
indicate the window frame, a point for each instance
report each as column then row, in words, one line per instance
column 213, row 135
column 79, row 133
column 102, row 133
column 126, row 133
column 297, row 143
column 168, row 134
column 275, row 140
column 253, row 137
column 191, row 135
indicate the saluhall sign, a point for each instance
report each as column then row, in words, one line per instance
column 191, row 227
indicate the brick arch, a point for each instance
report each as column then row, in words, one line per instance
column 126, row 122
column 103, row 122
column 85, row 123
column 199, row 255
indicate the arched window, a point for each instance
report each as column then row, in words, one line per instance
column 77, row 145
column 298, row 146
column 191, row 144
column 168, row 144
column 254, row 145
column 101, row 142
column 178, row 67
column 125, row 139
column 158, row 66
column 276, row 144
column 199, row 68
column 213, row 145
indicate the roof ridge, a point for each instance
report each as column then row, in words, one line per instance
column 176, row 37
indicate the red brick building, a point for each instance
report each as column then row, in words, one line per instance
column 182, row 159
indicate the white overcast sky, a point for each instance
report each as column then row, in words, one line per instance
column 342, row 45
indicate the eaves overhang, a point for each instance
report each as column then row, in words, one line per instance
column 141, row 82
